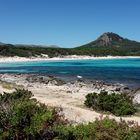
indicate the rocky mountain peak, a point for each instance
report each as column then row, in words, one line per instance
column 106, row 39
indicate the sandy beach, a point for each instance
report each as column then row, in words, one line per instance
column 69, row 96
column 46, row 58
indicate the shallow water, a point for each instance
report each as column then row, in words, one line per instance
column 126, row 71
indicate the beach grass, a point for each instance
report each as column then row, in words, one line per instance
column 10, row 86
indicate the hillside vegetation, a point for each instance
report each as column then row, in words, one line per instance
column 106, row 44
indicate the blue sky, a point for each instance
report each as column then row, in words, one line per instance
column 67, row 23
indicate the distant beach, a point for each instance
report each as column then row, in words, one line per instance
column 70, row 57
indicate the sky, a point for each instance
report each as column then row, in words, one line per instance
column 67, row 23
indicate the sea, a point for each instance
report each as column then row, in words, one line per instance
column 124, row 71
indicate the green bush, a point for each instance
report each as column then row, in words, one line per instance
column 118, row 104
column 104, row 129
column 25, row 118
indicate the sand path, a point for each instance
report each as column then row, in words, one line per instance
column 72, row 104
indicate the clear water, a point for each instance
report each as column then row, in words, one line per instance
column 125, row 71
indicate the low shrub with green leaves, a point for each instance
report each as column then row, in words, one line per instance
column 22, row 117
column 103, row 129
column 118, row 104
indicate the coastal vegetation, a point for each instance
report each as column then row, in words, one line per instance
column 10, row 86
column 101, row 129
column 23, row 117
column 9, row 50
column 118, row 104
column 106, row 44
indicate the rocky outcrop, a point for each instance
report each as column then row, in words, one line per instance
column 107, row 38
column 49, row 80
column 29, row 80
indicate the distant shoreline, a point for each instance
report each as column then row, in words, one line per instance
column 72, row 57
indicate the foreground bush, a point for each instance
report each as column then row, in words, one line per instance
column 24, row 118
column 104, row 129
column 118, row 104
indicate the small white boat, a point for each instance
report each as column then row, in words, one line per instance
column 78, row 76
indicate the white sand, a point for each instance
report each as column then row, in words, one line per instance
column 71, row 57
column 72, row 104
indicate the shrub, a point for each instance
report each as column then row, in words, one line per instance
column 25, row 118
column 104, row 129
column 118, row 104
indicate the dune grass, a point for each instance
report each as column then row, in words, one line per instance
column 10, row 86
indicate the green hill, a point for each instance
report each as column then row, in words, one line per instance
column 106, row 44
column 112, row 44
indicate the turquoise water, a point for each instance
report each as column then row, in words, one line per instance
column 116, row 70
